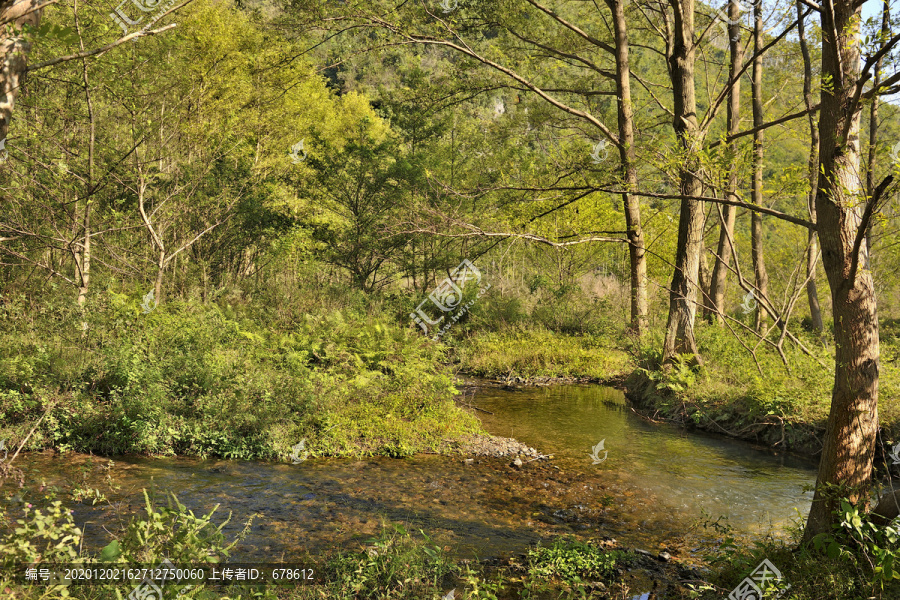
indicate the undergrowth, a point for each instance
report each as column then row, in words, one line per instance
column 209, row 380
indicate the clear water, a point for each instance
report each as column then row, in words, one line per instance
column 651, row 487
column 756, row 488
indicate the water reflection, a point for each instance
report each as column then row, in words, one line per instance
column 754, row 487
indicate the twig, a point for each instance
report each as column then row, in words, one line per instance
column 25, row 441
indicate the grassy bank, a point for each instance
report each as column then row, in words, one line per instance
column 220, row 380
column 539, row 353
column 734, row 393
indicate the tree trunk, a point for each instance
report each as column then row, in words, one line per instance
column 683, row 290
column 85, row 270
column 812, row 253
column 726, row 232
column 631, row 203
column 853, row 421
column 756, row 235
column 704, row 277
column 14, row 49
column 160, row 269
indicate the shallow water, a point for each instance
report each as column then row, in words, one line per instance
column 653, row 483
column 753, row 486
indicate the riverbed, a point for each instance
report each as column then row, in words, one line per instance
column 648, row 486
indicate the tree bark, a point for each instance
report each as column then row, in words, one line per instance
column 756, row 235
column 84, row 270
column 812, row 251
column 852, row 423
column 631, row 202
column 726, row 232
column 683, row 290
column 14, row 49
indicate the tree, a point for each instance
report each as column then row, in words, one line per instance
column 756, row 235
column 812, row 253
column 842, row 220
column 683, row 289
column 365, row 183
column 627, row 156
column 554, row 33
column 728, row 212
column 14, row 48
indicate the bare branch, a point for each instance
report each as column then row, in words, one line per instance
column 864, row 225
column 751, row 207
column 99, row 51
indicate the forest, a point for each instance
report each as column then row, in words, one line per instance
column 450, row 299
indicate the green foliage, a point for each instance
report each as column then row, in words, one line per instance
column 535, row 352
column 479, row 587
column 173, row 532
column 49, row 536
column 205, row 380
column 573, row 561
column 678, row 377
column 46, row 535
column 394, row 565
column 856, row 537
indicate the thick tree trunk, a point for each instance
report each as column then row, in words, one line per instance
column 756, row 235
column 636, row 249
column 812, row 251
column 853, row 421
column 683, row 290
column 726, row 232
column 14, row 49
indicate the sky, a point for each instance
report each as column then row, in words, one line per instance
column 872, row 8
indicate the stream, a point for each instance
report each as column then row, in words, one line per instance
column 650, row 489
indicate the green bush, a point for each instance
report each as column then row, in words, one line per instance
column 210, row 380
column 395, row 565
column 574, row 561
